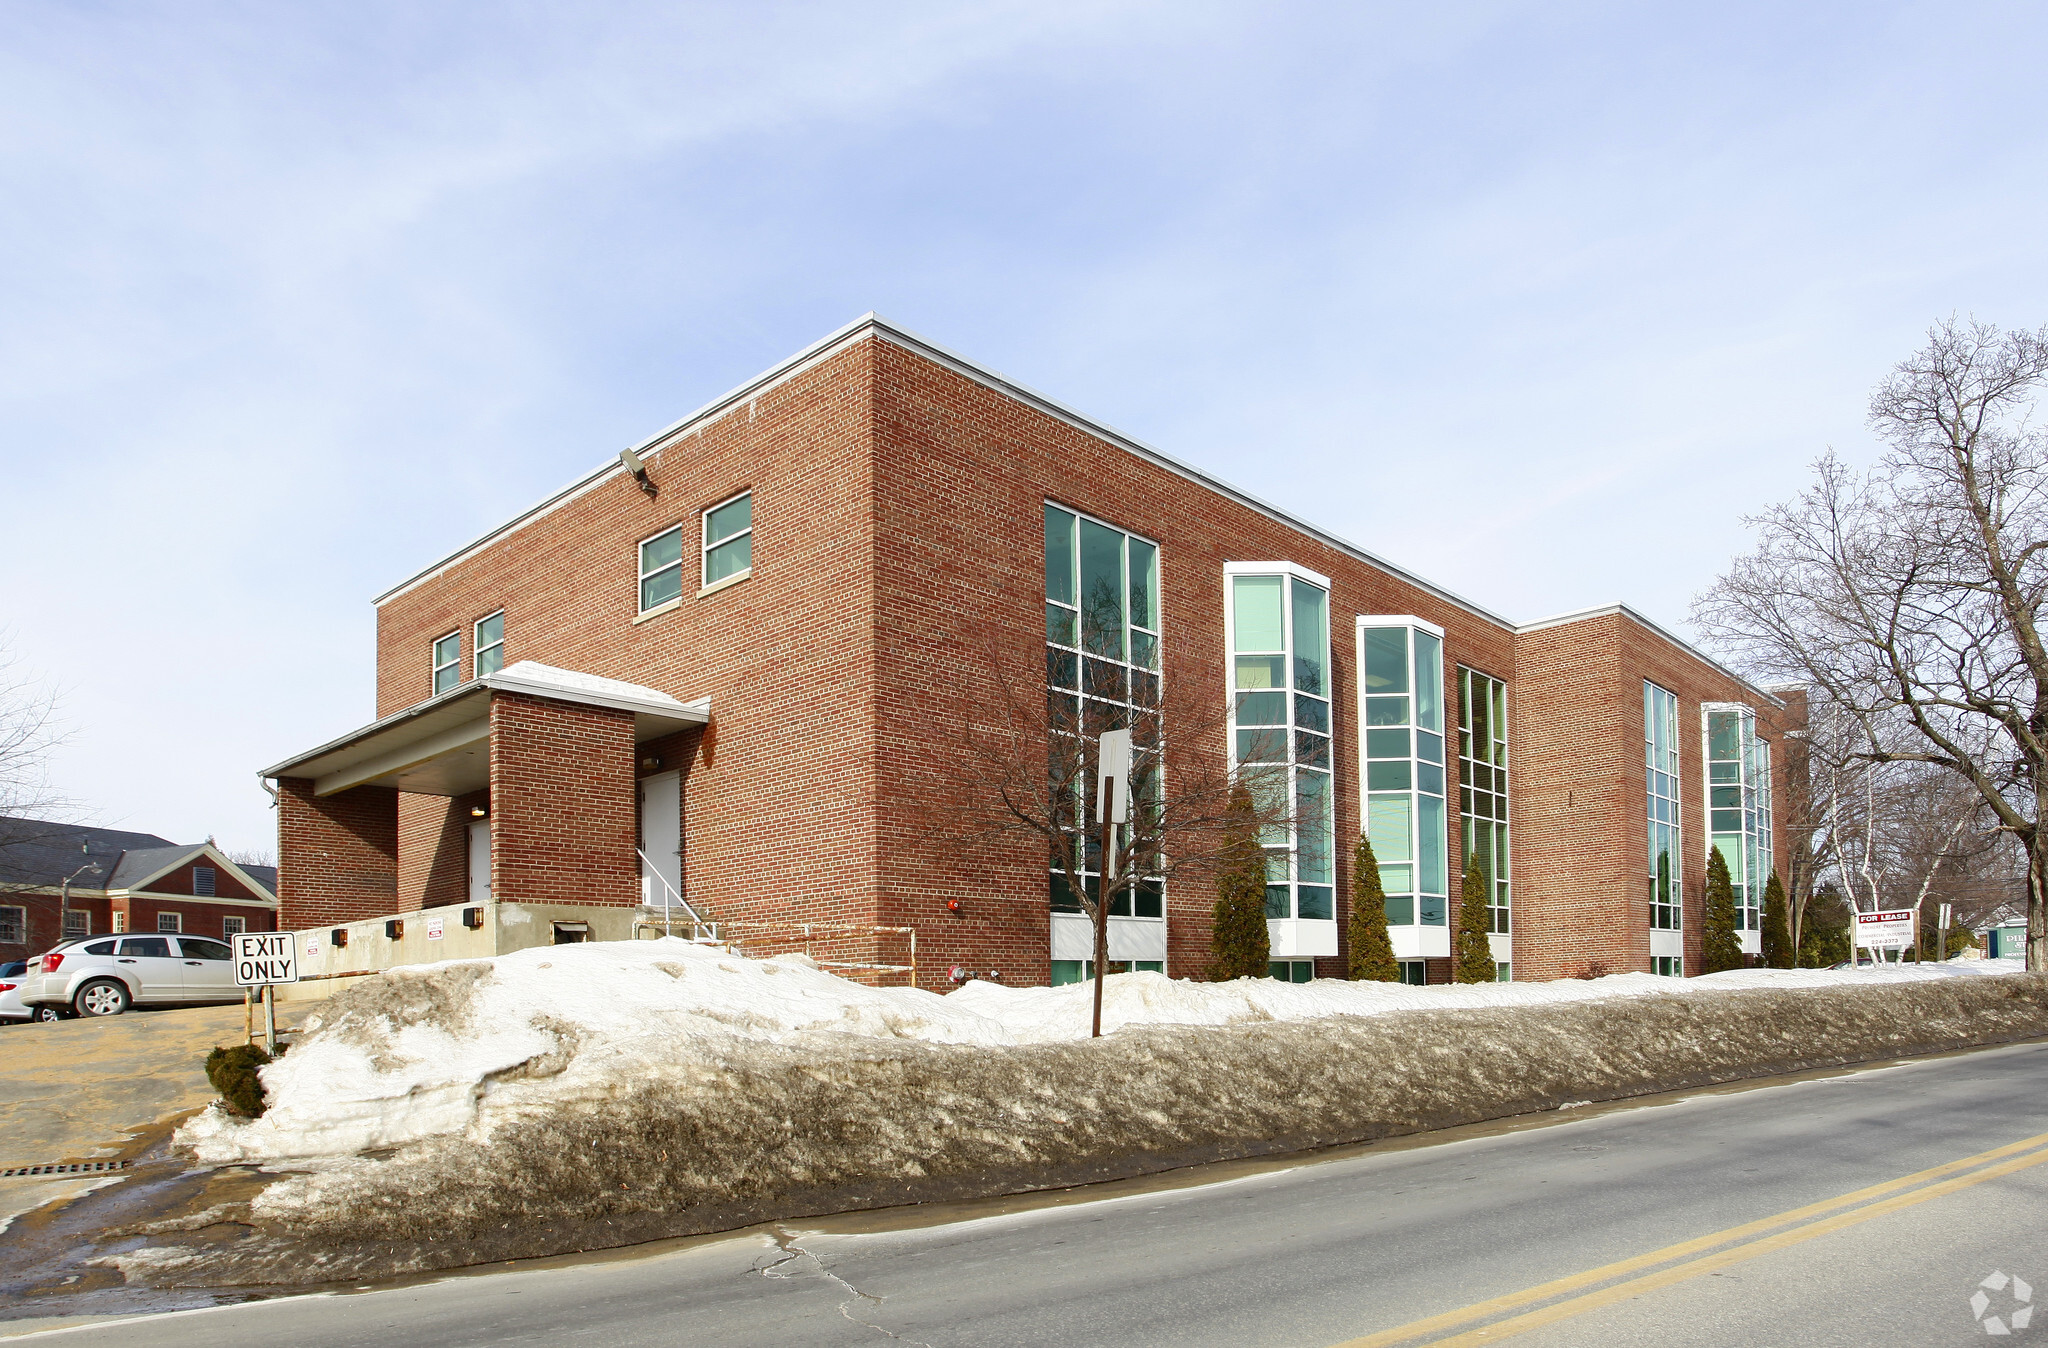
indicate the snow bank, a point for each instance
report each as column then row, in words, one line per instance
column 459, row 1048
column 582, row 1097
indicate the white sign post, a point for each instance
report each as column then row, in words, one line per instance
column 1879, row 932
column 263, row 959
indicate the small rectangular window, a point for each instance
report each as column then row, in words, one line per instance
column 77, row 922
column 661, row 569
column 202, row 881
column 490, row 644
column 729, row 539
column 447, row 662
column 120, row 922
column 170, row 922
column 233, row 926
column 13, row 926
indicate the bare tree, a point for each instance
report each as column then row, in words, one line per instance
column 1030, row 773
column 32, row 810
column 1909, row 595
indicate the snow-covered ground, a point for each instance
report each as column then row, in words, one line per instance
column 467, row 1047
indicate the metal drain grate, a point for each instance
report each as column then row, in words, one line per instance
column 67, row 1168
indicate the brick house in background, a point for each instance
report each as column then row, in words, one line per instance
column 61, row 880
column 732, row 678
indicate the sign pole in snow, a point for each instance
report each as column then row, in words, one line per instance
column 263, row 959
column 1112, row 807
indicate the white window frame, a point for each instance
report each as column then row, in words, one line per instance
column 233, row 926
column 1501, row 900
column 437, row 664
column 1756, row 848
column 477, row 648
column 1299, row 937
column 640, row 568
column 120, row 924
column 21, row 915
column 177, row 921
column 1414, row 939
column 704, row 580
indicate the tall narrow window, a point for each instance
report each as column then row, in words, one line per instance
column 1401, row 682
column 1483, row 786
column 490, row 644
column 1279, row 626
column 1101, row 673
column 1660, row 769
column 729, row 539
column 447, row 662
column 1739, row 805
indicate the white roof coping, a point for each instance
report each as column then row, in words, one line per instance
column 571, row 685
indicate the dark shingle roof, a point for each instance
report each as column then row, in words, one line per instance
column 40, row 852
column 141, row 864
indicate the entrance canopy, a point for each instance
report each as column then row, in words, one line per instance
column 441, row 747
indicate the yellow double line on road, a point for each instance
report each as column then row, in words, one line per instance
column 1707, row 1254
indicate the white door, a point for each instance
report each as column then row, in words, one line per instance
column 153, row 969
column 480, row 862
column 209, row 970
column 661, row 838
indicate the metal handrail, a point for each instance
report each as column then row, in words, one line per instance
column 696, row 918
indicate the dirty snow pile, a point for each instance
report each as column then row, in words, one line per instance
column 465, row 1048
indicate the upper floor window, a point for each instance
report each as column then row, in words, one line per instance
column 447, row 662
column 1101, row 590
column 1660, row 768
column 1739, row 805
column 729, row 539
column 490, row 644
column 202, row 881
column 1278, row 618
column 1401, row 688
column 661, row 569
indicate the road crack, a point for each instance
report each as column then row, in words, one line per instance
column 786, row 1241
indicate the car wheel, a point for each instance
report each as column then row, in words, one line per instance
column 101, row 997
column 49, row 1013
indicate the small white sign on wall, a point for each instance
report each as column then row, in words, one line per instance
column 434, row 928
column 312, row 947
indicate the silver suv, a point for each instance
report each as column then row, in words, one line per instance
column 105, row 975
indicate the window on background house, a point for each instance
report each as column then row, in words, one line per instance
column 202, row 881
column 1279, row 624
column 661, row 569
column 1660, row 759
column 1402, row 673
column 729, row 539
column 489, row 644
column 77, row 922
column 13, row 926
column 1101, row 669
column 447, row 662
column 1739, row 805
column 1483, row 786
column 233, row 926
column 170, row 922
column 120, row 922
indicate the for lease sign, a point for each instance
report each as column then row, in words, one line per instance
column 263, row 957
column 1885, row 931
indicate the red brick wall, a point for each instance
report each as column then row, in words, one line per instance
column 225, row 885
column 433, row 849
column 199, row 918
column 562, row 800
column 338, row 854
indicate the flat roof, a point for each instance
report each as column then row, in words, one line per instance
column 874, row 325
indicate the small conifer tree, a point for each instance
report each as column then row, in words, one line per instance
column 1777, row 933
column 1372, row 952
column 1719, row 947
column 1238, row 942
column 1475, row 952
column 1824, row 935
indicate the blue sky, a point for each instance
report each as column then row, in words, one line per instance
column 1536, row 299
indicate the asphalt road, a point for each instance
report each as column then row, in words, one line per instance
column 1801, row 1213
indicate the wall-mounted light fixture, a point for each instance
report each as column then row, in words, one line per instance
column 638, row 468
column 479, row 812
column 650, row 763
column 338, row 937
column 394, row 928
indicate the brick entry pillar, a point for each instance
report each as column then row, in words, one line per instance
column 563, row 825
column 337, row 856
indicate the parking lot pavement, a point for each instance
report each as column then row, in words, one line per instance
column 73, row 1089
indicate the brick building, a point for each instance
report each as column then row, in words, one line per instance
column 59, row 881
column 730, row 669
